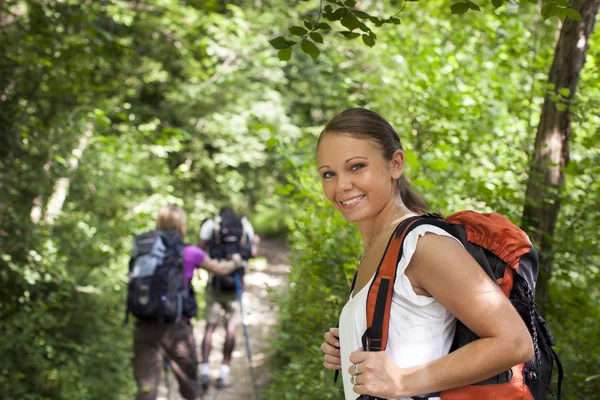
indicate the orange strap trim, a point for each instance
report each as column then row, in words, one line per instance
column 386, row 271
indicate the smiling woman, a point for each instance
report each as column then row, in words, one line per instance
column 360, row 160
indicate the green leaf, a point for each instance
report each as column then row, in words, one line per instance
column 339, row 14
column 328, row 9
column 439, row 164
column 549, row 10
column 285, row 54
column 572, row 14
column 395, row 21
column 272, row 142
column 368, row 40
column 350, row 35
column 350, row 21
column 280, row 43
column 565, row 92
column 561, row 107
column 411, row 159
column 376, row 21
column 324, row 26
column 562, row 3
column 298, row 31
column 309, row 25
column 350, row 3
column 459, row 8
column 281, row 190
column 310, row 48
column 591, row 378
column 363, row 27
column 317, row 37
column 361, row 14
column 473, row 6
column 497, row 3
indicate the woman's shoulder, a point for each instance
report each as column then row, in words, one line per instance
column 433, row 249
column 192, row 253
column 435, row 230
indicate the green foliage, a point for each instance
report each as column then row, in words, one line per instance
column 109, row 110
column 353, row 19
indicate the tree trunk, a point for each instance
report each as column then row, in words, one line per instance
column 551, row 153
column 61, row 187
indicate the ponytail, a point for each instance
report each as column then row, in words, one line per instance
column 411, row 200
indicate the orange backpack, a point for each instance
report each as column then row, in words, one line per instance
column 507, row 256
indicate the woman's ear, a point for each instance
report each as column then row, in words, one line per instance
column 397, row 164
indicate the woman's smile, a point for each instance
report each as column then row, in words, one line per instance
column 352, row 202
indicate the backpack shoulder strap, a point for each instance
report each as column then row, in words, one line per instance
column 244, row 238
column 217, row 228
column 379, row 297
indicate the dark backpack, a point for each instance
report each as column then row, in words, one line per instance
column 157, row 290
column 507, row 256
column 229, row 237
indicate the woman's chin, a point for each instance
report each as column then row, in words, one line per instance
column 351, row 215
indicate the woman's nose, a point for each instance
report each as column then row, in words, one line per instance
column 344, row 183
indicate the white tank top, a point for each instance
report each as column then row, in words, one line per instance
column 421, row 329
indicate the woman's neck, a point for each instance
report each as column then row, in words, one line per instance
column 388, row 217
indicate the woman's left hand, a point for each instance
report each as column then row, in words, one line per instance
column 377, row 375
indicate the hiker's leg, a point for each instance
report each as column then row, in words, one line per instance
column 180, row 347
column 207, row 342
column 233, row 319
column 213, row 316
column 147, row 359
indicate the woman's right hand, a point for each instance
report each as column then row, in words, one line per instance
column 331, row 350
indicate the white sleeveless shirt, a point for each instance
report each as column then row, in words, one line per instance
column 421, row 329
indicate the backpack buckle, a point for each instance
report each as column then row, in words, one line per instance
column 530, row 376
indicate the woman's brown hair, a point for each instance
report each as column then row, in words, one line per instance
column 171, row 218
column 366, row 124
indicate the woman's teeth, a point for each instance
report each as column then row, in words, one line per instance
column 352, row 201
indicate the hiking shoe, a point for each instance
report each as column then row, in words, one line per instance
column 223, row 383
column 204, row 382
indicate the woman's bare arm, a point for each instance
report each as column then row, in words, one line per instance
column 221, row 267
column 455, row 279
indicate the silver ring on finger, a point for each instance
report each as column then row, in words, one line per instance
column 355, row 369
column 353, row 380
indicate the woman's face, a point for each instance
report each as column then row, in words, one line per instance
column 356, row 178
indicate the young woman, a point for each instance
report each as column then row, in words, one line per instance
column 174, row 341
column 360, row 160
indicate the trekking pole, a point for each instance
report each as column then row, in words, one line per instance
column 238, row 290
column 167, row 383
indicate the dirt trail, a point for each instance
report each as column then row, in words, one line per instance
column 260, row 317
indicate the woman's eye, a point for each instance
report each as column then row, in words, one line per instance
column 357, row 167
column 327, row 175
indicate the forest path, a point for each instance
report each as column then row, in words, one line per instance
column 260, row 317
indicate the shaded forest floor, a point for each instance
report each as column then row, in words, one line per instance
column 260, row 316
